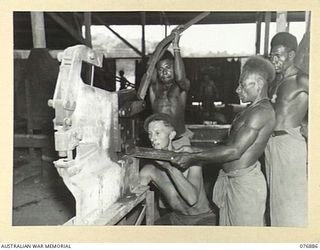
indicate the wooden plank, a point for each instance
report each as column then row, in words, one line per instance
column 121, row 208
column 200, row 126
column 151, row 153
column 141, row 216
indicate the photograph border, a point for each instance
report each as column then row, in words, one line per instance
column 102, row 234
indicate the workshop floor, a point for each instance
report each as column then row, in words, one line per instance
column 39, row 194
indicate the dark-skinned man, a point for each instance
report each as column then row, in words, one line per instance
column 286, row 152
column 240, row 191
column 168, row 91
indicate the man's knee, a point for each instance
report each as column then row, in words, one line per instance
column 147, row 174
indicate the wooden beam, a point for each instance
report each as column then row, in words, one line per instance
column 258, row 34
column 282, row 24
column 308, row 20
column 119, row 36
column 87, row 25
column 143, row 40
column 266, row 33
column 38, row 29
column 24, row 54
column 150, row 208
column 67, row 27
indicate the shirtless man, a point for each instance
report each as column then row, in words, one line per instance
column 286, row 155
column 184, row 191
column 168, row 91
column 240, row 191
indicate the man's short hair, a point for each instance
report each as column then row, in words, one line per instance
column 285, row 39
column 167, row 120
column 259, row 65
column 166, row 55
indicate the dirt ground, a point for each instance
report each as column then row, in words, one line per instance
column 39, row 194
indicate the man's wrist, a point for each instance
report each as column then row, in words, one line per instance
column 175, row 47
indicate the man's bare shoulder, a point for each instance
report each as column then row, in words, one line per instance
column 290, row 89
column 289, row 85
column 260, row 115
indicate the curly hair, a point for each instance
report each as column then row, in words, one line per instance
column 261, row 66
column 166, row 55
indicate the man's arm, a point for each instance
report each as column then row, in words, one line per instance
column 152, row 94
column 239, row 142
column 189, row 187
column 179, row 70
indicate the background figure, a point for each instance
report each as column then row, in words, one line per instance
column 124, row 83
column 208, row 94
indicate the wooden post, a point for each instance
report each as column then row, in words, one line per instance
column 282, row 24
column 258, row 34
column 38, row 29
column 143, row 40
column 267, row 31
column 308, row 19
column 89, row 75
column 150, row 208
column 87, row 25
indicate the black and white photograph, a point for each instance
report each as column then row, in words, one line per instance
column 161, row 119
